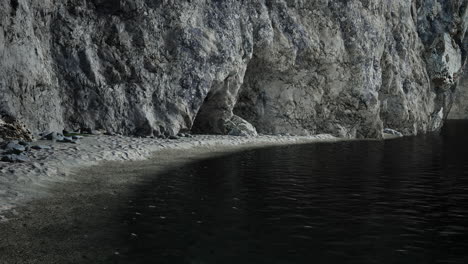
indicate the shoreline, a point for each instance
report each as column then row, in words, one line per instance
column 21, row 183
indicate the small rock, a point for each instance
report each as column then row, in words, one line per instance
column 90, row 131
column 237, row 126
column 86, row 130
column 173, row 137
column 77, row 137
column 53, row 136
column 15, row 158
column 12, row 142
column 181, row 135
column 23, row 143
column 68, row 140
column 392, row 132
column 95, row 132
column 109, row 133
column 40, row 147
column 14, row 148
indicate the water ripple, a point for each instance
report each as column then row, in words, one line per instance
column 398, row 201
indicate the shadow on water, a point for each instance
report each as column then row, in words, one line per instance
column 396, row 201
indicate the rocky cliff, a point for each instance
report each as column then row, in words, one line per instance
column 460, row 103
column 149, row 67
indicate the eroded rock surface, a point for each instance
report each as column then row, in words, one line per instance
column 11, row 128
column 460, row 103
column 350, row 68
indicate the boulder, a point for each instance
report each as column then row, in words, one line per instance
column 236, row 126
column 40, row 147
column 54, row 136
column 14, row 148
column 11, row 128
column 392, row 132
column 14, row 158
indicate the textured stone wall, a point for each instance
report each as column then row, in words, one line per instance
column 348, row 67
column 460, row 103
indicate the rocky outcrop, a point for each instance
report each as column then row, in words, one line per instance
column 237, row 126
column 349, row 68
column 13, row 129
column 460, row 104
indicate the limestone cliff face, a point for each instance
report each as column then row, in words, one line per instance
column 346, row 67
column 460, row 102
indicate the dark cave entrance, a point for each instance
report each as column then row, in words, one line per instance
column 234, row 96
column 217, row 106
column 208, row 119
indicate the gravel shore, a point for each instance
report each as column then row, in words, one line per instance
column 23, row 182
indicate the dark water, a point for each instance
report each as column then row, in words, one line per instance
column 398, row 201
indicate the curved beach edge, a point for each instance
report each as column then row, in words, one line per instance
column 23, row 182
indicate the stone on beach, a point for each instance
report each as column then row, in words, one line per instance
column 14, row 148
column 237, row 126
column 392, row 132
column 40, row 147
column 11, row 128
column 15, row 158
column 54, row 136
column 67, row 140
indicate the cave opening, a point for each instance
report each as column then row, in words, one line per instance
column 14, row 6
column 217, row 109
column 207, row 121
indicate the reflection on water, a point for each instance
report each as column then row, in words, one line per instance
column 398, row 201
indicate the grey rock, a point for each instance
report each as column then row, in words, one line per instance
column 15, row 158
column 40, row 147
column 237, row 126
column 77, row 137
column 11, row 142
column 95, row 132
column 14, row 148
column 68, row 140
column 349, row 68
column 54, row 136
column 459, row 109
column 23, row 143
column 392, row 132
column 90, row 131
column 11, row 128
column 173, row 137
